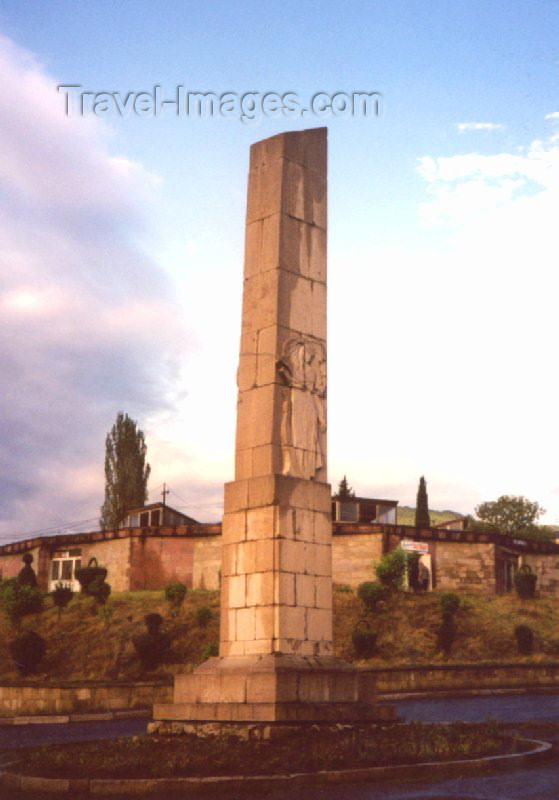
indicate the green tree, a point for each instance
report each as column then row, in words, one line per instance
column 126, row 471
column 344, row 489
column 422, row 518
column 513, row 515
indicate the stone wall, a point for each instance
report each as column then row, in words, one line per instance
column 546, row 568
column 354, row 556
column 464, row 566
column 80, row 697
column 114, row 554
column 156, row 560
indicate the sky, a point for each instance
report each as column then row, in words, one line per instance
column 121, row 245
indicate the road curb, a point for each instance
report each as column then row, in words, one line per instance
column 172, row 786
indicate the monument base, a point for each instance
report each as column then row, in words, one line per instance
column 270, row 689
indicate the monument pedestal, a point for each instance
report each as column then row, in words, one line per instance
column 274, row 689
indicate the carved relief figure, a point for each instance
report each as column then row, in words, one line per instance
column 303, row 369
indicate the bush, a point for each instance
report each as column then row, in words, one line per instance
column 450, row 603
column 343, row 588
column 525, row 582
column 210, row 651
column 524, row 639
column 391, row 569
column 26, row 575
column 87, row 575
column 174, row 595
column 370, row 593
column 152, row 646
column 203, row 616
column 447, row 634
column 364, row 640
column 19, row 599
column 27, row 650
column 61, row 596
column 99, row 589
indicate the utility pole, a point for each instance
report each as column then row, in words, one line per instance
column 164, row 493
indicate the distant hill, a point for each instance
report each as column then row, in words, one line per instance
column 406, row 515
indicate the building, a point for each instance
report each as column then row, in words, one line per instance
column 158, row 545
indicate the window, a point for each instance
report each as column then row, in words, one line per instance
column 66, row 570
column 155, row 517
column 55, row 570
column 144, row 519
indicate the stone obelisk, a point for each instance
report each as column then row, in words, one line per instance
column 275, row 660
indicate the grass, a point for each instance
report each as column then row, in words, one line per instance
column 406, row 516
column 83, row 645
column 307, row 751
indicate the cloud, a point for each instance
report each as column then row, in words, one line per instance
column 88, row 324
column 462, row 127
column 553, row 115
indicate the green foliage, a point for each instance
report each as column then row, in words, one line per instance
column 61, row 596
column 18, row 600
column 513, row 515
column 344, row 489
column 203, row 616
column 27, row 651
column 524, row 639
column 450, row 603
column 152, row 646
column 370, row 593
column 210, row 651
column 391, row 569
column 26, row 574
column 525, row 582
column 422, row 519
column 126, row 471
column 364, row 639
column 100, row 590
column 174, row 595
column 446, row 634
column 343, row 588
column 87, row 575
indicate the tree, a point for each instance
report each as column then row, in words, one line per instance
column 344, row 489
column 511, row 515
column 126, row 471
column 422, row 518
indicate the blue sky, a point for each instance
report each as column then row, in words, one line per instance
column 122, row 246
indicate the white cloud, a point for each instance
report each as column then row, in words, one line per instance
column 89, row 326
column 462, row 127
column 553, row 115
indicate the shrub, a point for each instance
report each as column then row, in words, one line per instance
column 100, row 590
column 203, row 616
column 27, row 651
column 391, row 569
column 87, row 575
column 210, row 650
column 343, row 588
column 450, row 603
column 447, row 634
column 153, row 645
column 364, row 639
column 26, row 575
column 524, row 639
column 61, row 596
column 174, row 595
column 370, row 593
column 19, row 599
column 525, row 582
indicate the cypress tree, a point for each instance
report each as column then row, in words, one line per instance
column 344, row 489
column 126, row 471
column 422, row 519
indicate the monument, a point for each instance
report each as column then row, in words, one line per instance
column 276, row 662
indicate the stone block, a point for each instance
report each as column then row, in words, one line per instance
column 266, row 188
column 261, row 522
column 284, row 590
column 265, row 555
column 266, row 460
column 271, row 242
column 260, row 302
column 245, row 557
column 228, row 559
column 243, row 464
column 264, row 620
column 305, row 592
column 245, row 624
column 318, row 308
column 304, row 525
column 258, row 417
column 235, row 591
column 319, row 624
column 291, row 622
column 260, row 589
column 318, row 559
column 323, row 592
column 253, row 248
column 322, row 527
column 235, row 498
column 289, row 555
column 294, row 307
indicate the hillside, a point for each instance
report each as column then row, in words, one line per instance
column 84, row 645
column 406, row 516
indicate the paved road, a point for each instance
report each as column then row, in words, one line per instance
column 540, row 782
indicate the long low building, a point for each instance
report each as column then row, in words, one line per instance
column 149, row 556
